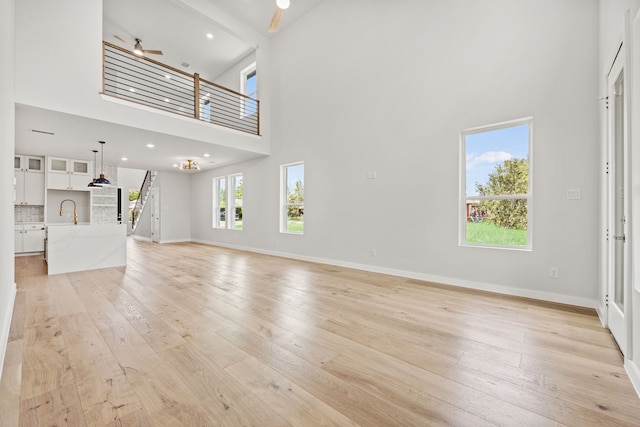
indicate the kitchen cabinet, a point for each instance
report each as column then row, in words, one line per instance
column 29, row 237
column 28, row 175
column 68, row 174
column 28, row 163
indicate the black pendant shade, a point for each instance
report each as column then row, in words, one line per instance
column 101, row 181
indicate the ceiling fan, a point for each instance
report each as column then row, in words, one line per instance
column 137, row 48
column 281, row 5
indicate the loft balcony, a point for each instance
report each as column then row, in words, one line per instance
column 148, row 82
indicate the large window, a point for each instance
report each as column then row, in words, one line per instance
column 292, row 198
column 249, row 87
column 227, row 202
column 219, row 202
column 235, row 200
column 496, row 185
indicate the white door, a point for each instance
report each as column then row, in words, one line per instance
column 155, row 215
column 618, row 203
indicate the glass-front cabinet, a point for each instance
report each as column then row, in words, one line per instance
column 68, row 174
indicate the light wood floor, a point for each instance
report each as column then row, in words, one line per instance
column 195, row 335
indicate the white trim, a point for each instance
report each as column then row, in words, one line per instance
column 4, row 338
column 175, row 241
column 470, row 284
column 602, row 313
column 634, row 374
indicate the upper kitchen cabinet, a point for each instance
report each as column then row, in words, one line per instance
column 29, row 180
column 68, row 174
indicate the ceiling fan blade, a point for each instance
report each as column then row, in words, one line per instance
column 153, row 52
column 275, row 21
column 122, row 40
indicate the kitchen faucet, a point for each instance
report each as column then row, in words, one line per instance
column 75, row 212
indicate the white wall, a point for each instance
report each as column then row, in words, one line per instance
column 388, row 89
column 175, row 206
column 7, row 137
column 65, row 39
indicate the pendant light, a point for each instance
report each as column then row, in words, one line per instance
column 95, row 170
column 102, row 181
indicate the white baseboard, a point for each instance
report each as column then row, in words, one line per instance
column 176, row 241
column 634, row 374
column 470, row 284
column 6, row 325
column 144, row 238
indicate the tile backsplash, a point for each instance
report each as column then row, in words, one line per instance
column 28, row 213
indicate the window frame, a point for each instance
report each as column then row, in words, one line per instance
column 245, row 75
column 528, row 121
column 284, row 204
column 217, row 208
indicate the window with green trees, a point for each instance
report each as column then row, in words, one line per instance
column 227, row 202
column 292, row 198
column 496, row 185
column 219, row 202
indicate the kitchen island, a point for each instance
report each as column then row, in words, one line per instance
column 85, row 247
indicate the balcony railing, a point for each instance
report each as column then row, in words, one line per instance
column 151, row 83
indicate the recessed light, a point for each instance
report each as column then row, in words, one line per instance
column 150, row 145
column 207, row 155
column 167, row 100
column 125, row 159
column 209, row 36
column 167, row 76
column 175, row 166
column 131, row 89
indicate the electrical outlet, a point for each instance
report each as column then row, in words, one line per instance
column 553, row 272
column 373, row 253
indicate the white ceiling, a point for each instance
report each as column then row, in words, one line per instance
column 76, row 137
column 180, row 33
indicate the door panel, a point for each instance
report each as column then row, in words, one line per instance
column 618, row 277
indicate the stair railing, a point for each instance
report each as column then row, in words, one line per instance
column 145, row 188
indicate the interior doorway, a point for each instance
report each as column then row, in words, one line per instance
column 155, row 215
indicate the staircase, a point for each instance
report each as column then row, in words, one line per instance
column 145, row 189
